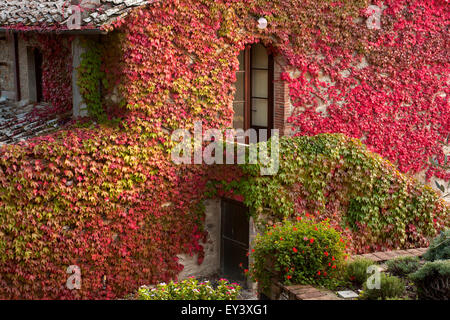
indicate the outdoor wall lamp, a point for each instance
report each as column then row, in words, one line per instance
column 262, row 23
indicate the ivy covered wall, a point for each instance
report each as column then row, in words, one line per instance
column 108, row 198
column 56, row 69
column 336, row 178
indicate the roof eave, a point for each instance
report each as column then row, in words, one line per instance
column 93, row 31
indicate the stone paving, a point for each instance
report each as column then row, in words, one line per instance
column 17, row 124
column 388, row 255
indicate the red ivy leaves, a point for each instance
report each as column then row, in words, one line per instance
column 125, row 211
column 398, row 102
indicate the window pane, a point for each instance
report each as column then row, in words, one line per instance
column 238, row 118
column 239, row 96
column 241, row 61
column 260, row 58
column 259, row 112
column 240, row 86
column 260, row 79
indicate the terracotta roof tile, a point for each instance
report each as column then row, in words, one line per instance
column 55, row 13
column 17, row 122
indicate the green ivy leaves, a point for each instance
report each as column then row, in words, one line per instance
column 336, row 177
column 91, row 77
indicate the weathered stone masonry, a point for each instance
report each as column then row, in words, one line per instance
column 6, row 66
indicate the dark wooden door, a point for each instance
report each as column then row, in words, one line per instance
column 234, row 239
column 38, row 72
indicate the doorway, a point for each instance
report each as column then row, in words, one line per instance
column 38, row 72
column 35, row 70
column 234, row 240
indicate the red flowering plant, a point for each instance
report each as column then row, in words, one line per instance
column 302, row 252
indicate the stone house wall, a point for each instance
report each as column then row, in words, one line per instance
column 212, row 247
column 211, row 262
column 26, row 67
column 27, row 70
column 282, row 107
column 7, row 65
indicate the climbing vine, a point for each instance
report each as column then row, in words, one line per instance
column 388, row 87
column 56, row 73
column 111, row 201
column 91, row 78
column 335, row 178
column 106, row 201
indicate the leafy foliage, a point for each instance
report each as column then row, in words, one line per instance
column 191, row 289
column 357, row 270
column 390, row 287
column 403, row 266
column 56, row 73
column 303, row 252
column 110, row 200
column 439, row 248
column 99, row 198
column 90, row 78
column 396, row 298
column 379, row 85
column 433, row 280
column 364, row 196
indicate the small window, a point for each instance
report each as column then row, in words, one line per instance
column 253, row 100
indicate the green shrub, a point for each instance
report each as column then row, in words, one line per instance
column 403, row 266
column 433, row 280
column 439, row 248
column 396, row 298
column 190, row 289
column 357, row 270
column 302, row 252
column 390, row 287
